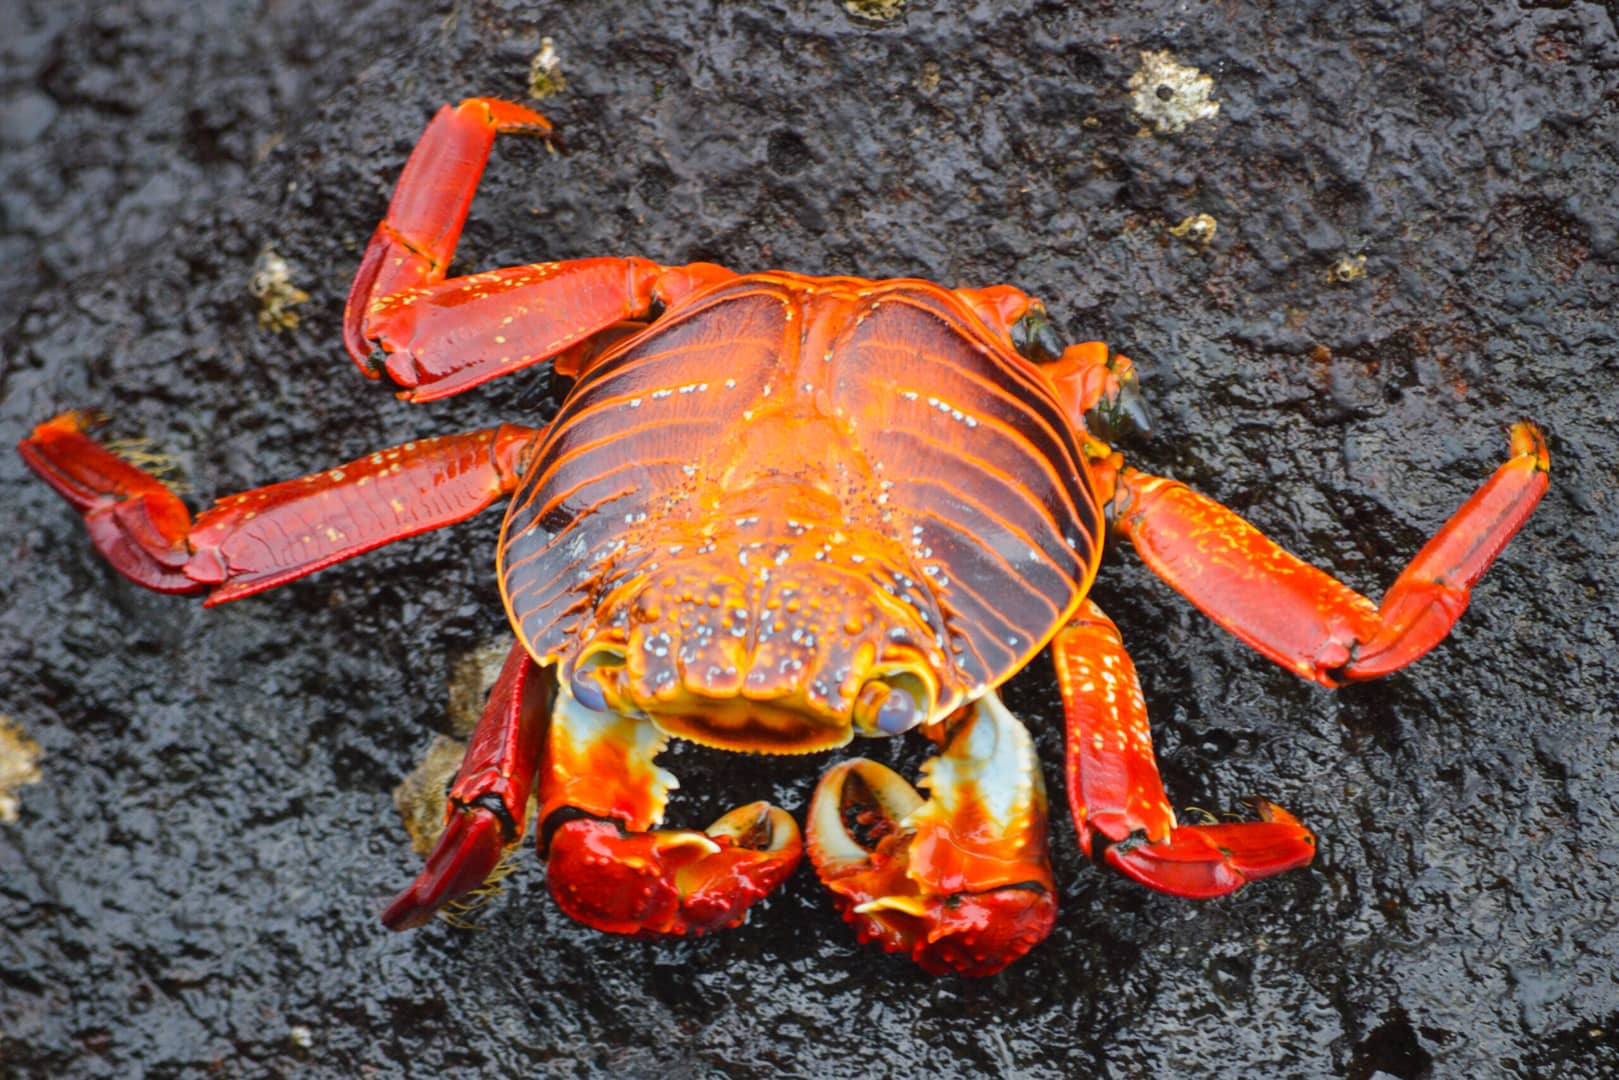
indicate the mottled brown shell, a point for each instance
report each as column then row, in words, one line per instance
column 890, row 398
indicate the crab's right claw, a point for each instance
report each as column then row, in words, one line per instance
column 671, row 881
column 961, row 881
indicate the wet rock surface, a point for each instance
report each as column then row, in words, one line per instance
column 193, row 886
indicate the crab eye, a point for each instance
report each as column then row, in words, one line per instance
column 891, row 704
column 1121, row 411
column 588, row 683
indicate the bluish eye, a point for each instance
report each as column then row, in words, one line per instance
column 587, row 689
column 899, row 711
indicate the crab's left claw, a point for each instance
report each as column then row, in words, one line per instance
column 671, row 881
column 960, row 881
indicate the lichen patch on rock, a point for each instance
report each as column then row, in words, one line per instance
column 19, row 767
column 545, row 78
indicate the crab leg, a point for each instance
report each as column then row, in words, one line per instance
column 600, row 797
column 960, row 881
column 438, row 337
column 1303, row 618
column 488, row 803
column 413, row 244
column 1115, row 793
column 261, row 538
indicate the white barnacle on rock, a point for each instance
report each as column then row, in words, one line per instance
column 1170, row 96
column 1197, row 230
column 271, row 285
column 1347, row 269
column 545, row 77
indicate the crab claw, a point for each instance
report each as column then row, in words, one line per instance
column 671, row 881
column 961, row 881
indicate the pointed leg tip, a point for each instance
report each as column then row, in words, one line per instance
column 465, row 856
column 508, row 117
column 1201, row 862
column 408, row 910
column 1528, row 438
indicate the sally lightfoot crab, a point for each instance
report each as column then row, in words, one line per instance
column 775, row 512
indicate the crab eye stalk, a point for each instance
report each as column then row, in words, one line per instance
column 1121, row 410
column 1035, row 338
column 891, row 704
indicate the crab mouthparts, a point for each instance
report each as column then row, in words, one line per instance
column 794, row 718
column 753, row 726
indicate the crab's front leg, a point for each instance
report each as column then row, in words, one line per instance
column 1116, row 797
column 960, row 881
column 437, row 336
column 259, row 539
column 601, row 796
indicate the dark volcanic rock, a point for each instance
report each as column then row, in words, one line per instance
column 194, row 887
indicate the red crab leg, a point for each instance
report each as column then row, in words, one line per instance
column 1303, row 618
column 413, row 244
column 1115, row 793
column 960, row 881
column 600, row 796
column 261, row 538
column 438, row 337
column 488, row 803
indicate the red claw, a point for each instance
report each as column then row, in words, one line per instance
column 959, row 882
column 969, row 934
column 671, row 881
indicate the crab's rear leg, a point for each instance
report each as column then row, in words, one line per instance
column 601, row 796
column 438, row 337
column 261, row 538
column 487, row 807
column 960, row 881
column 1307, row 620
column 1116, row 795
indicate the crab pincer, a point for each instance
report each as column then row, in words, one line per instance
column 601, row 797
column 671, row 881
column 960, row 881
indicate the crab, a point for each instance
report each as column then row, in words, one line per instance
column 775, row 512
